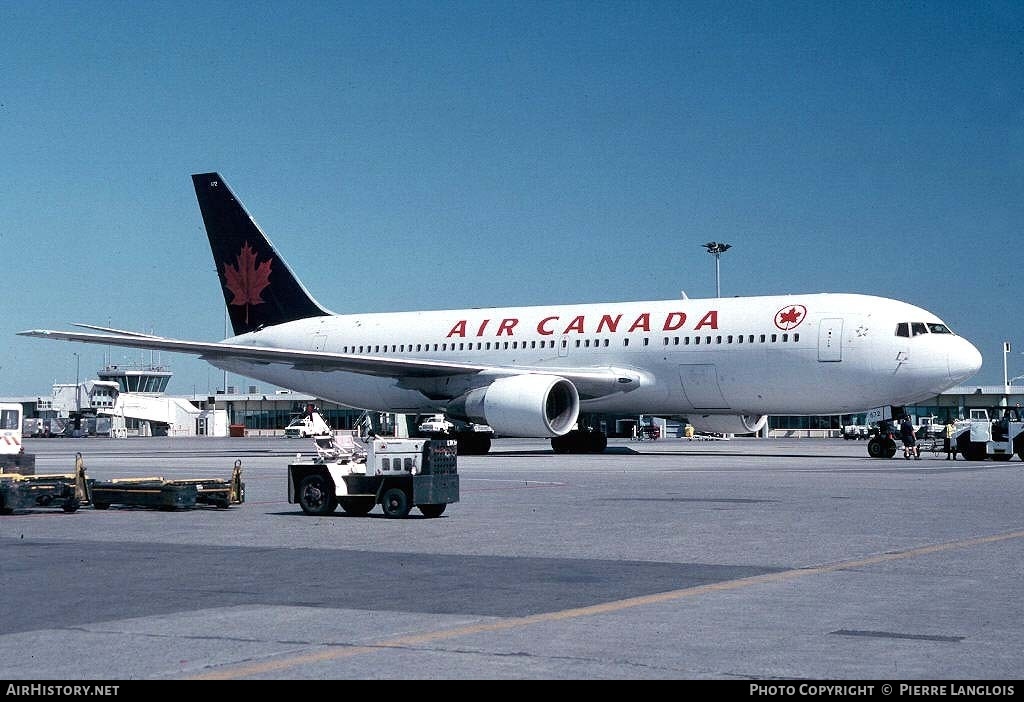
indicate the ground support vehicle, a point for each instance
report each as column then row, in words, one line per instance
column 69, row 492
column 855, row 431
column 309, row 424
column 13, row 458
column 980, row 436
column 169, row 494
column 398, row 474
column 474, row 439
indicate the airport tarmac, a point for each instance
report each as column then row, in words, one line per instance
column 750, row 559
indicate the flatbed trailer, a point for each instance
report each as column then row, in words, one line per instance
column 397, row 474
column 67, row 491
column 169, row 494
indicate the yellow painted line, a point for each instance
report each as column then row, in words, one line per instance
column 336, row 653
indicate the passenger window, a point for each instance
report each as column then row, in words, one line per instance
column 646, row 341
column 785, row 337
column 918, row 328
column 729, row 338
column 577, row 343
column 739, row 339
column 750, row 339
column 775, row 338
column 666, row 341
column 903, row 329
column 796, row 337
column 696, row 339
column 761, row 339
column 707, row 339
column 625, row 342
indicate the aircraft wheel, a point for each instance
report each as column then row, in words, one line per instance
column 70, row 506
column 432, row 511
column 316, row 496
column 395, row 503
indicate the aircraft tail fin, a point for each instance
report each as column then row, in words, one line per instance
column 260, row 289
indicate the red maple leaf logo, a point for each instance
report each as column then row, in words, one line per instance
column 790, row 317
column 246, row 280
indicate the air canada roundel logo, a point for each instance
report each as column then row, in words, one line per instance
column 790, row 317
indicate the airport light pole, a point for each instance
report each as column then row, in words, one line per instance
column 78, row 401
column 716, row 249
column 1006, row 351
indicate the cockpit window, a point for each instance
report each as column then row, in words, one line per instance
column 902, row 329
column 939, row 328
column 918, row 328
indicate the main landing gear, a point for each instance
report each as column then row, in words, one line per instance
column 580, row 441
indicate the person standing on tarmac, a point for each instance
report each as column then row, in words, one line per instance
column 909, row 439
column 948, row 440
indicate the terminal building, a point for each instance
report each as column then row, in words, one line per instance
column 128, row 400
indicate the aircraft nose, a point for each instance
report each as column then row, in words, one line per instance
column 964, row 361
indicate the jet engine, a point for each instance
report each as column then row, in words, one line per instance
column 728, row 423
column 529, row 405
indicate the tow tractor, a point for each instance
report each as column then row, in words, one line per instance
column 980, row 437
column 356, row 473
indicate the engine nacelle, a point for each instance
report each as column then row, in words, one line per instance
column 530, row 405
column 728, row 423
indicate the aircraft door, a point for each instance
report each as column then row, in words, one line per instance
column 563, row 346
column 700, row 386
column 318, row 342
column 830, row 340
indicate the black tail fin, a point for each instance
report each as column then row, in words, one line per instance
column 260, row 289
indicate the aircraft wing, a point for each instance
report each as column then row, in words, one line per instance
column 589, row 382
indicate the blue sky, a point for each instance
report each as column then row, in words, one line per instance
column 424, row 155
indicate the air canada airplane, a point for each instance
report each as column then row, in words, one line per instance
column 723, row 363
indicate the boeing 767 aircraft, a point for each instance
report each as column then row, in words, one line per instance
column 724, row 363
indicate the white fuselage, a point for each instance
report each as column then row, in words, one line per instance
column 790, row 354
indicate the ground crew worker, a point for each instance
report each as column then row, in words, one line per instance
column 909, row 439
column 948, row 440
